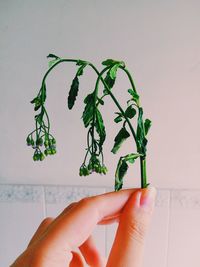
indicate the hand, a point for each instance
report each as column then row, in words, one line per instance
column 55, row 240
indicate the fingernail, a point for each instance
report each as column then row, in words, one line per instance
column 147, row 199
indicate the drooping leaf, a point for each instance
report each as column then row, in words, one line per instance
column 80, row 69
column 109, row 62
column 140, row 133
column 118, row 119
column 81, row 62
column 100, row 101
column 134, row 95
column 88, row 111
column 89, row 98
column 109, row 82
column 121, row 170
column 40, row 99
column 35, row 100
column 39, row 117
column 52, row 56
column 130, row 112
column 122, row 135
column 147, row 125
column 53, row 62
column 131, row 157
column 75, row 84
column 113, row 71
column 100, row 128
column 87, row 114
column 73, row 92
column 37, row 106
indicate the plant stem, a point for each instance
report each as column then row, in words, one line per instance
column 143, row 172
column 95, row 99
column 142, row 158
column 115, row 100
column 130, row 78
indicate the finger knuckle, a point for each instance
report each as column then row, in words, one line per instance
column 86, row 200
column 137, row 231
column 69, row 207
column 46, row 221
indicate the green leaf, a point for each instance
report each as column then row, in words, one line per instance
column 140, row 133
column 109, row 82
column 130, row 112
column 73, row 92
column 109, row 62
column 100, row 101
column 89, row 98
column 119, row 139
column 147, row 125
column 121, row 170
column 81, row 62
column 118, row 119
column 100, row 128
column 113, row 71
column 135, row 96
column 38, row 104
column 131, row 157
column 52, row 56
column 35, row 100
column 38, row 118
column 88, row 111
column 53, row 62
column 140, row 130
column 80, row 69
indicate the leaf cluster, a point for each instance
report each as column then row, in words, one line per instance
column 93, row 120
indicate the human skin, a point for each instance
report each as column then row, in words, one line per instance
column 67, row 240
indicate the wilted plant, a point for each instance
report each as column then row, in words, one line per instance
column 92, row 119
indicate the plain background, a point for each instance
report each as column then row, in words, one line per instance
column 160, row 43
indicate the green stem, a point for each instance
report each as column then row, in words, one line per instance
column 130, row 78
column 98, row 73
column 52, row 67
column 142, row 158
column 143, row 172
column 95, row 99
column 114, row 99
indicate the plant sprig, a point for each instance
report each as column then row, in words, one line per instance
column 93, row 121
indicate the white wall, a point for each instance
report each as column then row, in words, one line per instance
column 160, row 43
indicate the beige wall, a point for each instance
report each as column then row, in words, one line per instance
column 159, row 41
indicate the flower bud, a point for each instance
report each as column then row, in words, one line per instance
column 41, row 156
column 46, row 143
column 28, row 141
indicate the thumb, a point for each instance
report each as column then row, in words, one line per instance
column 128, row 245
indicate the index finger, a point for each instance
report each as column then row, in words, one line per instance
column 70, row 230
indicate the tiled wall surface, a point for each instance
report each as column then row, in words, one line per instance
column 173, row 239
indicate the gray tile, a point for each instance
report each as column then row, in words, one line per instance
column 22, row 210
column 184, row 233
